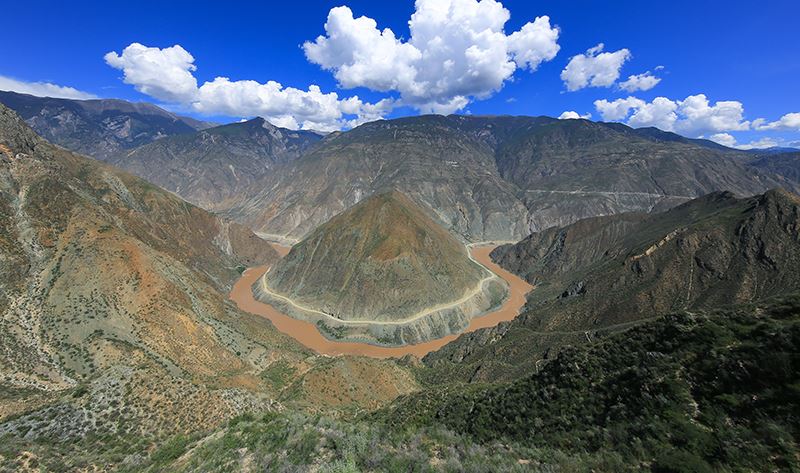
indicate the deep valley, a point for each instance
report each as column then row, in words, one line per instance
column 428, row 236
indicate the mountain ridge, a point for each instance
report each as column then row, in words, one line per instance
column 606, row 274
column 217, row 166
column 499, row 178
column 98, row 127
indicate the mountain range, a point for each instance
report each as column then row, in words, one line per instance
column 114, row 311
column 498, row 178
column 486, row 178
column 99, row 128
column 661, row 333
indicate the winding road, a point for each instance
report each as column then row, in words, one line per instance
column 307, row 333
column 468, row 294
column 607, row 193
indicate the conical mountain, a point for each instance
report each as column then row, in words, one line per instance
column 383, row 259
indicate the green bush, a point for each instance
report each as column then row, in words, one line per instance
column 680, row 461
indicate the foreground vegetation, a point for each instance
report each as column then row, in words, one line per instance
column 688, row 392
column 712, row 391
column 293, row 442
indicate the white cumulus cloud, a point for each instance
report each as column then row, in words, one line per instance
column 644, row 81
column 166, row 74
column 790, row 121
column 729, row 140
column 457, row 51
column 761, row 143
column 692, row 116
column 572, row 115
column 594, row 68
column 661, row 113
column 725, row 139
column 619, row 109
column 43, row 89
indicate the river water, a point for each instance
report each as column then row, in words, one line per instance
column 307, row 333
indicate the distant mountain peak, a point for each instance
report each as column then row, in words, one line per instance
column 212, row 167
column 262, row 122
column 101, row 128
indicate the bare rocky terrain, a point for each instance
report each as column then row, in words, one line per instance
column 499, row 178
column 783, row 164
column 99, row 128
column 215, row 167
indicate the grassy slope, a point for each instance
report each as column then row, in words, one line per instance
column 718, row 388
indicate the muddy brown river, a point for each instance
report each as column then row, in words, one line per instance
column 307, row 333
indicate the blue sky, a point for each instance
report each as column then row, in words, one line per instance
column 743, row 54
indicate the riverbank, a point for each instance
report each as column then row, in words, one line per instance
column 308, row 334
